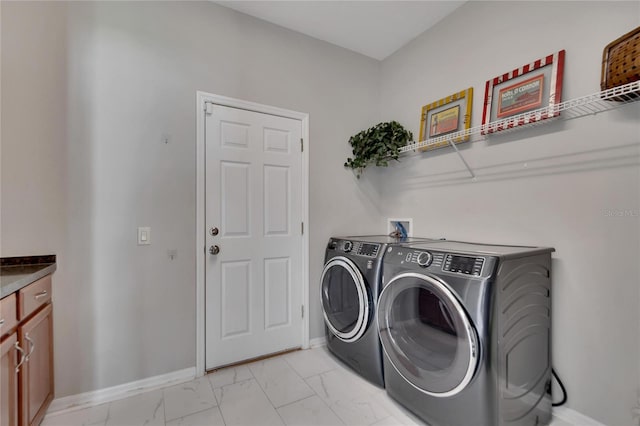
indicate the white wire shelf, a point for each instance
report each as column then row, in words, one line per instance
column 595, row 103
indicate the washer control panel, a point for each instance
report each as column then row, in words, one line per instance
column 355, row 247
column 367, row 249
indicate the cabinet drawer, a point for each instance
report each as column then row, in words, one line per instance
column 34, row 296
column 8, row 314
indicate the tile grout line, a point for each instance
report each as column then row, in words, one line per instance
column 265, row 392
column 195, row 412
column 297, row 400
column 277, row 412
column 304, row 380
column 314, row 392
column 321, row 399
column 218, row 401
column 288, row 365
column 360, row 385
column 234, row 383
column 293, row 402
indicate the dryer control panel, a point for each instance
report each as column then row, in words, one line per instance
column 437, row 261
column 420, row 257
column 463, row 264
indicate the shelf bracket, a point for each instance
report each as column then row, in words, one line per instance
column 453, row 145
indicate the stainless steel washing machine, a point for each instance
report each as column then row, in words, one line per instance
column 466, row 332
column 350, row 286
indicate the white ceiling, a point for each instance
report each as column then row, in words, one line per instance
column 372, row 28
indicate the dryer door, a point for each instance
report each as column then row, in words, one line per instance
column 427, row 335
column 345, row 299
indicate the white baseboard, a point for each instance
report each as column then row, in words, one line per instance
column 101, row 396
column 317, row 342
column 574, row 418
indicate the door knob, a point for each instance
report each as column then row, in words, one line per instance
column 214, row 250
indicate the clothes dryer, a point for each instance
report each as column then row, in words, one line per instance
column 350, row 286
column 466, row 332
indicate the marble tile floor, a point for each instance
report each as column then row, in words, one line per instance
column 307, row 387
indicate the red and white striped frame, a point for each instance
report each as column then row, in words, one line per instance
column 556, row 61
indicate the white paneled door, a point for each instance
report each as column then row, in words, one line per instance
column 253, row 215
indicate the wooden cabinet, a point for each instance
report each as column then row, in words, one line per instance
column 27, row 356
column 33, row 296
column 9, row 381
column 36, row 375
column 8, row 315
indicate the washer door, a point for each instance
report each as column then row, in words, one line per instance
column 427, row 335
column 345, row 300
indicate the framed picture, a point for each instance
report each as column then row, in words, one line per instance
column 446, row 119
column 525, row 95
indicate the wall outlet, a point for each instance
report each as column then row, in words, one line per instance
column 406, row 222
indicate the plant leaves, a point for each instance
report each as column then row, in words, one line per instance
column 377, row 145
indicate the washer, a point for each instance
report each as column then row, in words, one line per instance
column 350, row 286
column 466, row 332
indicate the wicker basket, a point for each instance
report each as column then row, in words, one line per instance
column 621, row 61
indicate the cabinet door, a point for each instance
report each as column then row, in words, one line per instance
column 9, row 381
column 8, row 314
column 36, row 377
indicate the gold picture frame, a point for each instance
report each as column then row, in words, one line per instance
column 446, row 119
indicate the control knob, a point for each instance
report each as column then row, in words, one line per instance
column 425, row 259
column 348, row 245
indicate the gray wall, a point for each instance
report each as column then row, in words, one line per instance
column 556, row 185
column 33, row 129
column 89, row 90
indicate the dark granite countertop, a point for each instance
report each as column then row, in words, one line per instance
column 19, row 272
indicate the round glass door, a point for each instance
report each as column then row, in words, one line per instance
column 427, row 334
column 345, row 301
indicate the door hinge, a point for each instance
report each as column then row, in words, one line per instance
column 302, row 228
column 208, row 108
column 302, row 310
column 301, row 145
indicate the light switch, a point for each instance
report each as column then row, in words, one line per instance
column 144, row 236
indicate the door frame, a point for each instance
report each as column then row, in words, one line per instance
column 202, row 99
